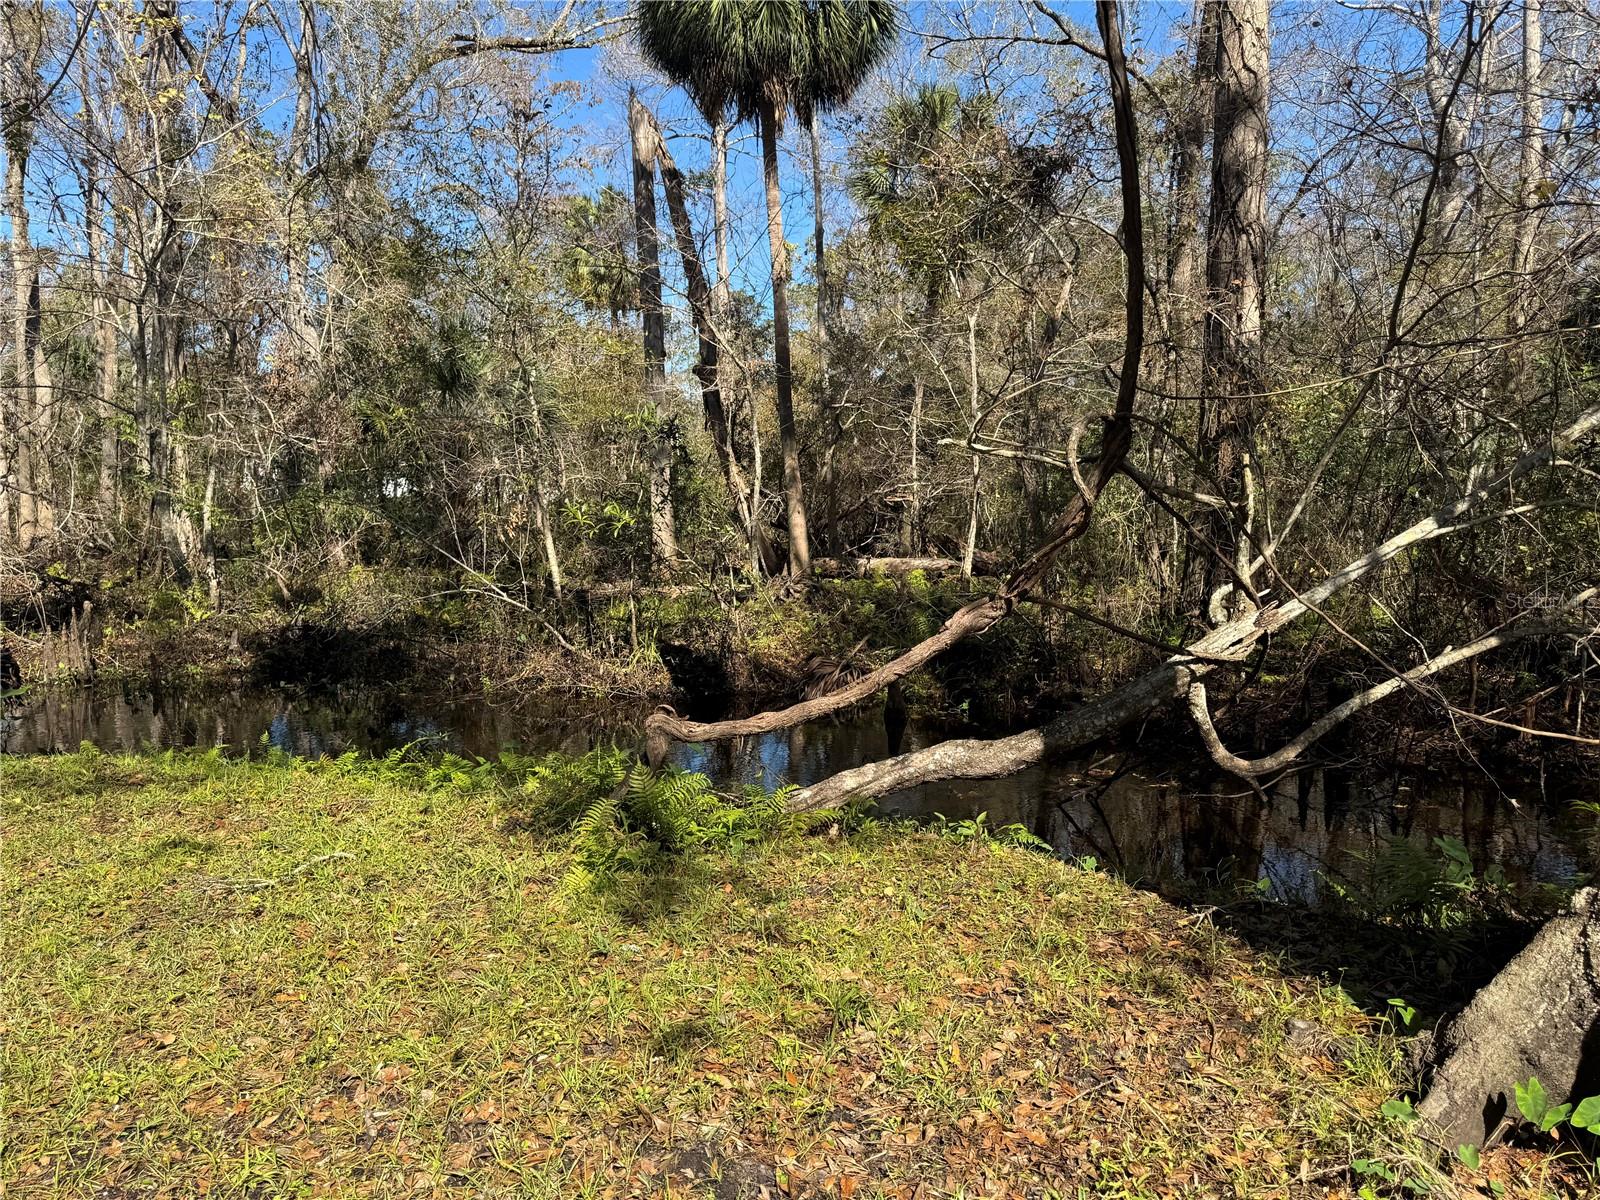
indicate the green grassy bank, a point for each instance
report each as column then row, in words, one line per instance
column 293, row 979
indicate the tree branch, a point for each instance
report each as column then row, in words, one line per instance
column 974, row 758
column 1291, row 750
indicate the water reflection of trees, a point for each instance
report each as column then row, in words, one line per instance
column 1319, row 824
column 1127, row 813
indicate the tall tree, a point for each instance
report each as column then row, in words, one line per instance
column 770, row 59
column 1181, row 297
column 1236, row 260
column 96, row 192
column 653, row 323
column 1530, row 182
column 23, row 48
column 703, row 311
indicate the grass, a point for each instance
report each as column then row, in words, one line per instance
column 293, row 979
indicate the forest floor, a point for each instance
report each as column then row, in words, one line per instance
column 284, row 979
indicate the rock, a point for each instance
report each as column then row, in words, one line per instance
column 1539, row 1017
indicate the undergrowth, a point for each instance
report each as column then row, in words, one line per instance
column 623, row 818
column 1436, row 894
column 626, row 819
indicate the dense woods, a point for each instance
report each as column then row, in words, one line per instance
column 555, row 507
column 499, row 302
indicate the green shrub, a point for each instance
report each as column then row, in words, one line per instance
column 648, row 821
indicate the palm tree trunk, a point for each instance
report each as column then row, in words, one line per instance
column 789, row 440
column 663, row 539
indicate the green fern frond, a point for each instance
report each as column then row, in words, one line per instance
column 626, row 818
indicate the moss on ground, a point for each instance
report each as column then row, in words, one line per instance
column 287, row 979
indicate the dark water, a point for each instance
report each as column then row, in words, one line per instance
column 1149, row 820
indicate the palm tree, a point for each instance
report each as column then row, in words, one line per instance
column 594, row 266
column 766, row 59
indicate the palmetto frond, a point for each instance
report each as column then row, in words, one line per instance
column 792, row 54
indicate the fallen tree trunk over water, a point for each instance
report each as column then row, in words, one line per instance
column 1540, row 1017
column 976, row 758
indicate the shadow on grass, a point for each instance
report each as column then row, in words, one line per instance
column 1434, row 973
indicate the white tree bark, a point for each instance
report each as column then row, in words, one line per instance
column 974, row 758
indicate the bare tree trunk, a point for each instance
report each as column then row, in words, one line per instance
column 719, row 218
column 1453, row 125
column 105, row 336
column 302, row 334
column 911, row 527
column 208, row 533
column 1182, row 307
column 971, row 546
column 23, row 416
column 541, row 508
column 708, row 370
column 46, row 466
column 1530, row 184
column 105, row 312
column 168, row 456
column 663, row 539
column 819, row 338
column 794, row 497
column 1236, row 255
column 819, row 258
column 24, row 29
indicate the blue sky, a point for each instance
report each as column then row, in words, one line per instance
column 1153, row 29
column 600, row 120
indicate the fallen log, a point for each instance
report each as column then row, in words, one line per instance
column 860, row 567
column 975, row 758
column 1540, row 1017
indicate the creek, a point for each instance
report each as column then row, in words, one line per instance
column 1160, row 823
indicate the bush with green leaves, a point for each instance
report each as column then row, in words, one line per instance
column 977, row 829
column 1434, row 888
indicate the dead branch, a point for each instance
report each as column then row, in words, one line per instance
column 1295, row 747
column 977, row 758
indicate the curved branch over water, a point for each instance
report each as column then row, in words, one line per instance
column 976, row 758
column 1250, row 768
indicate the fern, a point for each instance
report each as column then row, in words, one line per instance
column 558, row 789
column 636, row 821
